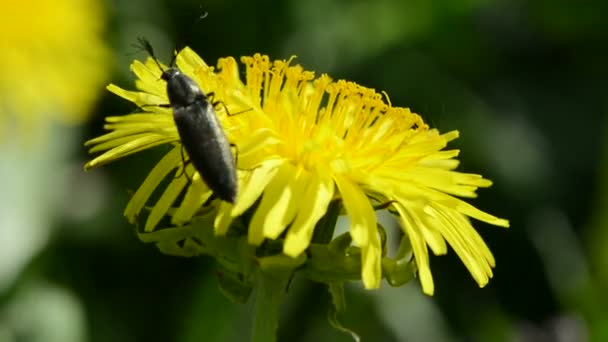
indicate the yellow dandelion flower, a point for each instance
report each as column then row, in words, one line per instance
column 53, row 61
column 303, row 144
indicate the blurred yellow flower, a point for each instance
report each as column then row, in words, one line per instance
column 304, row 142
column 53, row 61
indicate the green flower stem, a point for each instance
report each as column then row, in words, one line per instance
column 270, row 288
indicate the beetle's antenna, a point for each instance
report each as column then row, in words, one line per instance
column 145, row 45
column 175, row 53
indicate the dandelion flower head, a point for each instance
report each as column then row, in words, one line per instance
column 305, row 142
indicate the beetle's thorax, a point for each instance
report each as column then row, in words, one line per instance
column 181, row 89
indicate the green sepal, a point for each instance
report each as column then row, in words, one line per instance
column 324, row 229
column 336, row 262
column 281, row 263
column 235, row 286
column 402, row 269
column 383, row 239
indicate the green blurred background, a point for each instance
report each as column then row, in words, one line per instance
column 525, row 82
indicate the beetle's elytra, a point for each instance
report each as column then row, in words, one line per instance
column 199, row 130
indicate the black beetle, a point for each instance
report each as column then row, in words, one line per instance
column 199, row 130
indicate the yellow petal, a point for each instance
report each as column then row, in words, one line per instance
column 188, row 61
column 169, row 162
column 254, row 185
column 431, row 234
column 421, row 253
column 270, row 198
column 196, row 195
column 360, row 212
column 141, row 98
column 149, row 78
column 317, row 197
column 164, row 202
column 371, row 264
column 253, row 148
column 279, row 203
column 363, row 230
column 409, row 190
column 467, row 244
column 145, row 142
column 223, row 219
